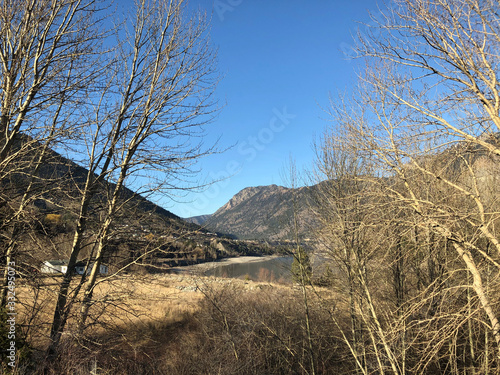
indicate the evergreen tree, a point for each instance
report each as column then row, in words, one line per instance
column 301, row 267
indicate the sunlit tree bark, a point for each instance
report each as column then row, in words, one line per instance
column 47, row 63
column 147, row 125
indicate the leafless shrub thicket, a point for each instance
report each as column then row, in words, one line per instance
column 233, row 331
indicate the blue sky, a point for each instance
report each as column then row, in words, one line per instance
column 280, row 61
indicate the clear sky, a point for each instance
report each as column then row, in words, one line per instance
column 280, row 61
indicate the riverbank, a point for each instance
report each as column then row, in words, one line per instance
column 202, row 267
column 258, row 268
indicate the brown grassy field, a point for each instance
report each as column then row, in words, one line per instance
column 168, row 323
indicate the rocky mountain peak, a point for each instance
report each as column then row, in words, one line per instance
column 259, row 212
column 246, row 194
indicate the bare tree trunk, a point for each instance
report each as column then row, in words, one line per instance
column 478, row 287
column 41, row 42
column 304, row 274
column 149, row 130
column 62, row 308
column 101, row 247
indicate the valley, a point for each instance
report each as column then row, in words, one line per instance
column 381, row 255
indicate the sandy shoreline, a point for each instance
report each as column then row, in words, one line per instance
column 201, row 267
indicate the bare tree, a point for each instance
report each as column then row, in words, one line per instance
column 144, row 126
column 301, row 266
column 354, row 221
column 425, row 113
column 47, row 57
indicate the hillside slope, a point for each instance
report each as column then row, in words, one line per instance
column 263, row 212
column 141, row 225
column 199, row 220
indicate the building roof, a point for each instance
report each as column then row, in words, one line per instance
column 83, row 263
column 64, row 262
column 58, row 262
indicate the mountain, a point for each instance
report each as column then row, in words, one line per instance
column 199, row 220
column 264, row 212
column 141, row 225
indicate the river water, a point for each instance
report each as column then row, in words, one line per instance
column 267, row 268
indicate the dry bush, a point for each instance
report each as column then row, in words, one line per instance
column 257, row 332
column 231, row 327
column 234, row 331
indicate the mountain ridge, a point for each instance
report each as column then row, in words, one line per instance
column 199, row 219
column 263, row 212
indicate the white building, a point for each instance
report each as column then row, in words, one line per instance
column 54, row 266
column 61, row 266
column 80, row 268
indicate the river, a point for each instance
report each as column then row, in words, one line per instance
column 266, row 268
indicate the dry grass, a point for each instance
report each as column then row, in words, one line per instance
column 125, row 300
column 138, row 319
